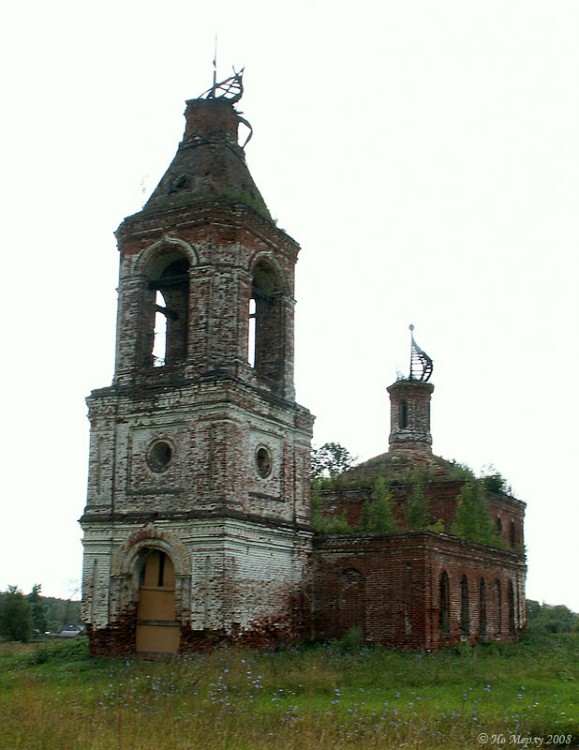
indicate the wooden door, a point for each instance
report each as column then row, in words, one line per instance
column 157, row 629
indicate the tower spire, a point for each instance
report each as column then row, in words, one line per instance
column 210, row 161
column 215, row 66
column 420, row 363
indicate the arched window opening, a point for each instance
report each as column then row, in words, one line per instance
column 498, row 608
column 499, row 526
column 403, row 415
column 170, row 307
column 482, row 608
column 160, row 335
column 511, row 602
column 464, row 608
column 444, row 604
column 513, row 534
column 266, row 352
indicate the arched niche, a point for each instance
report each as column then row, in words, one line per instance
column 444, row 594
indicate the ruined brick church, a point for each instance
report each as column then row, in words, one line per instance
column 198, row 525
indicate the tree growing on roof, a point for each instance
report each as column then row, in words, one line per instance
column 377, row 511
column 417, row 505
column 330, row 460
column 472, row 519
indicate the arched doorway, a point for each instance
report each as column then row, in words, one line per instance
column 157, row 629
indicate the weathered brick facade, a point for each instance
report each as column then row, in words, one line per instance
column 199, row 454
column 424, row 587
column 197, row 526
column 389, row 586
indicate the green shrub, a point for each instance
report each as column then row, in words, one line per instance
column 417, row 505
column 15, row 616
column 377, row 511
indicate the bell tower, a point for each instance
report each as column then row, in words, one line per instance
column 197, row 523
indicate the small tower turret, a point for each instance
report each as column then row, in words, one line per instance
column 410, row 404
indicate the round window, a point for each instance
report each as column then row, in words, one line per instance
column 160, row 455
column 263, row 462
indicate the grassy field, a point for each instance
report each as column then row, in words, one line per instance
column 321, row 697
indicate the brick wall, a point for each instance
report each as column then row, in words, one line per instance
column 389, row 587
column 442, row 496
column 410, row 415
column 201, row 456
column 204, row 457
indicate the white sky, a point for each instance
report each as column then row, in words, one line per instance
column 424, row 154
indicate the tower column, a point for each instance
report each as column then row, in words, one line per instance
column 194, row 446
column 410, row 415
column 410, row 404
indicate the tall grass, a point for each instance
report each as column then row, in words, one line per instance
column 305, row 698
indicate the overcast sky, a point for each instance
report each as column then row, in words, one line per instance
column 424, row 154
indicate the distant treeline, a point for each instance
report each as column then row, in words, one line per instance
column 24, row 617
column 549, row 618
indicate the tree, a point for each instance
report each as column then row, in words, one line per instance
column 547, row 618
column 472, row 519
column 326, row 523
column 330, row 460
column 61, row 612
column 417, row 505
column 494, row 481
column 15, row 616
column 38, row 609
column 465, row 522
column 377, row 511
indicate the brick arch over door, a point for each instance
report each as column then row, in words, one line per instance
column 150, row 537
column 128, row 559
column 156, row 568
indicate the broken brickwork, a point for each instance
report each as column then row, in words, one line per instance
column 389, row 587
column 198, row 454
column 197, row 525
column 442, row 496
